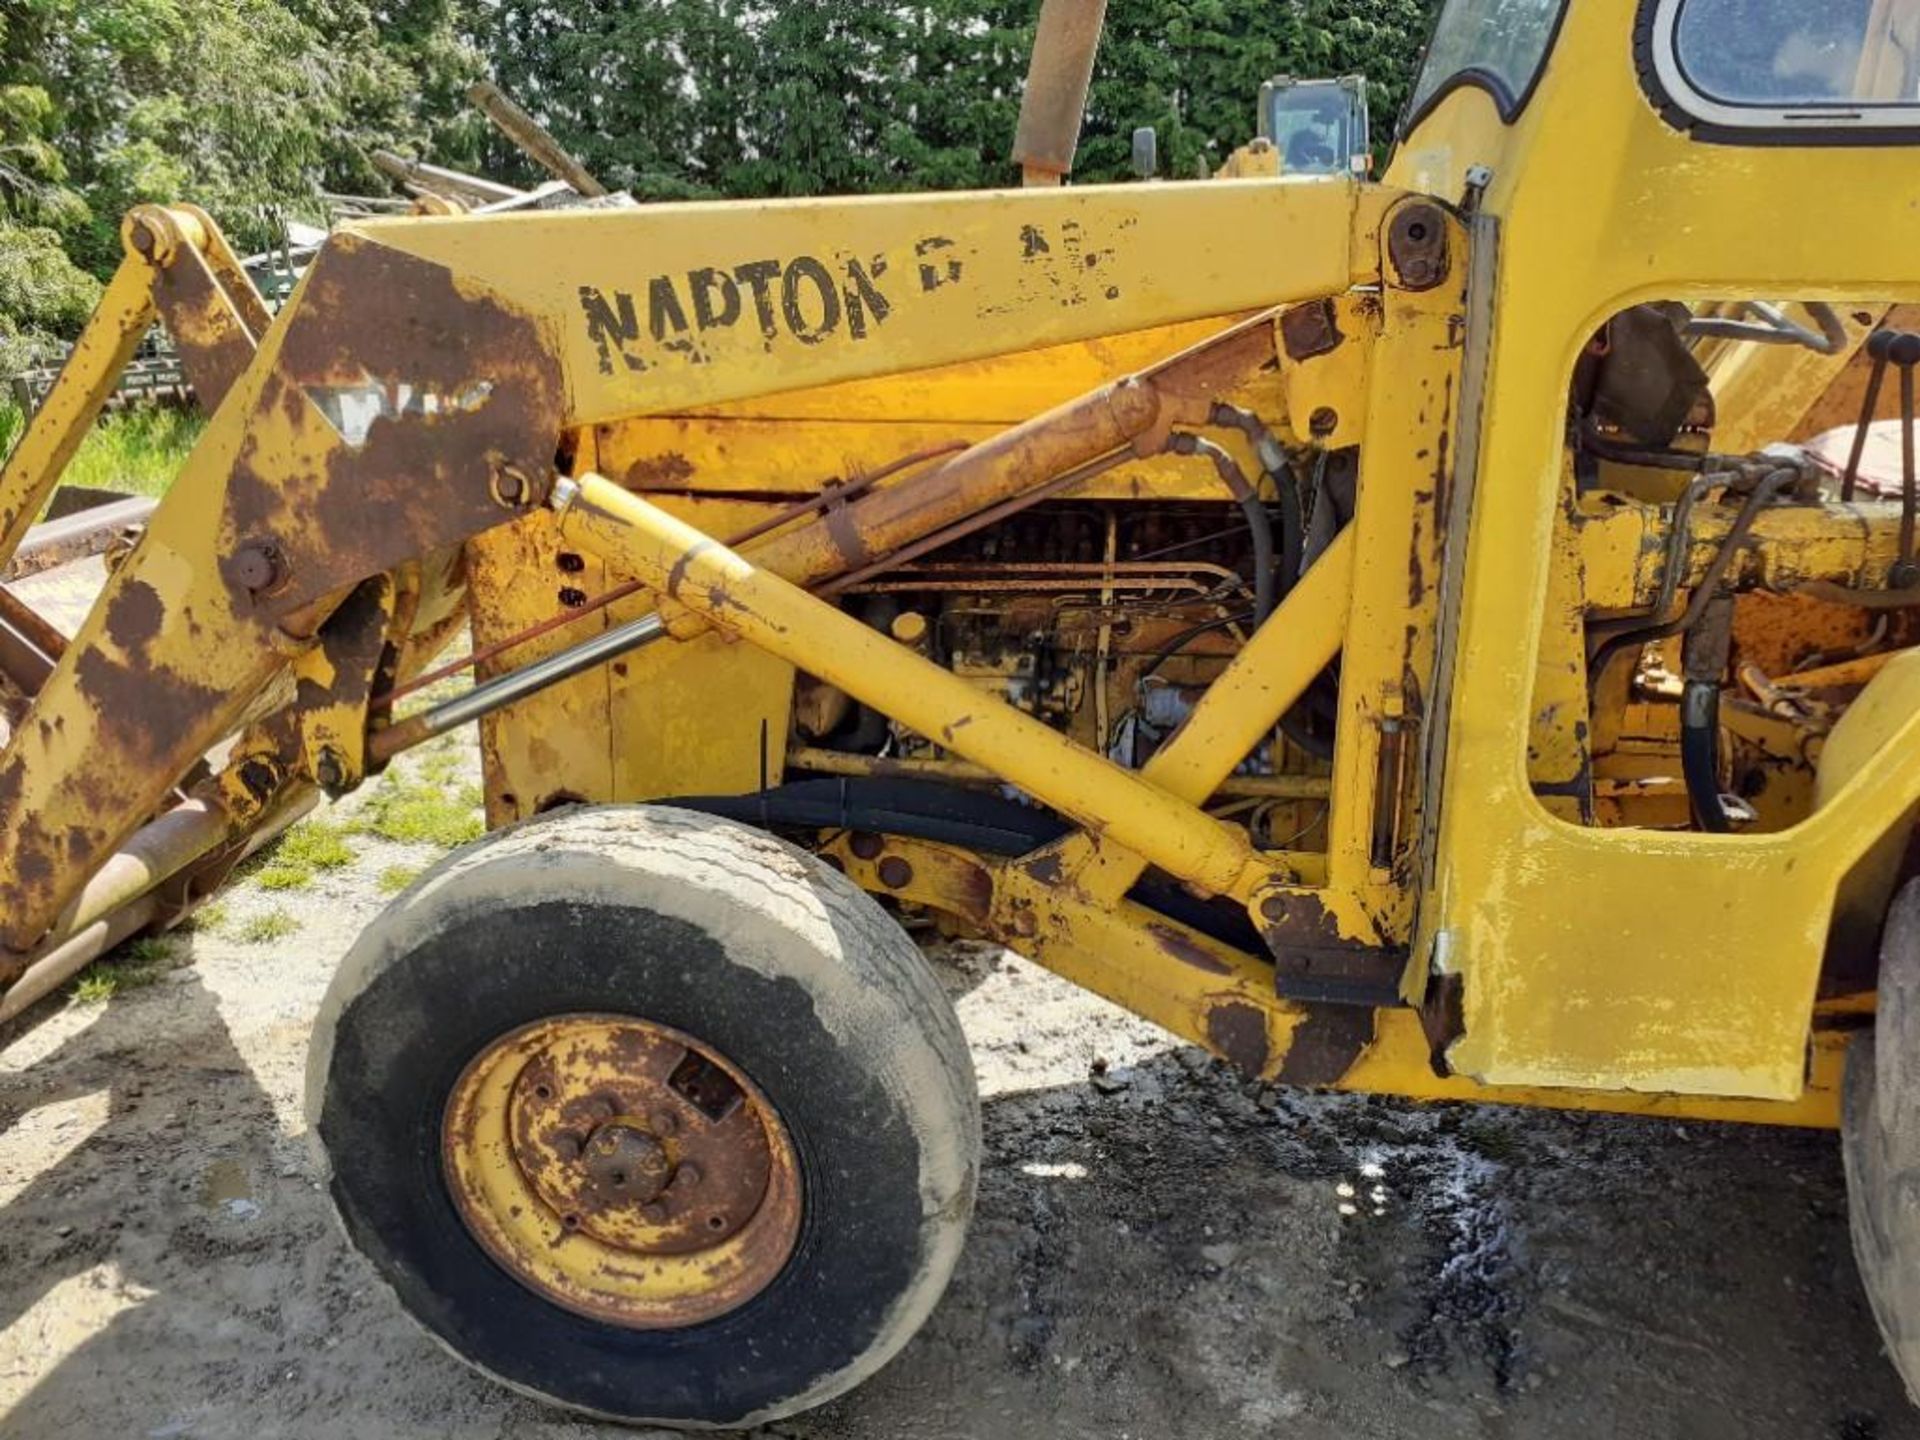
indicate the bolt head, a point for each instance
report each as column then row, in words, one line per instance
column 257, row 567
column 511, row 486
column 330, row 770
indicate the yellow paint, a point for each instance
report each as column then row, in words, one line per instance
column 961, row 277
column 1618, row 959
column 1118, row 951
column 33, row 467
column 723, row 358
column 727, row 591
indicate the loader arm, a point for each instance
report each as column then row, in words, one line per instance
column 422, row 383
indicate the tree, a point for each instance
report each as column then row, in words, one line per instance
column 43, row 294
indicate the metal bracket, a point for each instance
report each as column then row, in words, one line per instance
column 1315, row 964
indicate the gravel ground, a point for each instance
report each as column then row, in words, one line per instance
column 1159, row 1249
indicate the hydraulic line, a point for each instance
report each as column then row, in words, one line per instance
column 1775, row 328
column 1768, row 486
column 1700, row 755
column 1705, row 655
column 1273, row 462
column 1297, row 723
column 1259, row 524
column 1704, row 661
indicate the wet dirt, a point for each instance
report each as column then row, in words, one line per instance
column 1159, row 1250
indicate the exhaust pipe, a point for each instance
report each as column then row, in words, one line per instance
column 1056, row 94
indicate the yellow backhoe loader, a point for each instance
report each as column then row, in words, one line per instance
column 1381, row 632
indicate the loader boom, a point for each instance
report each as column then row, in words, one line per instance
column 417, row 388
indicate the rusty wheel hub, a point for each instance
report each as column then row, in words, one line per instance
column 622, row 1169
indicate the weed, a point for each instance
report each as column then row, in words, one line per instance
column 138, row 963
column 441, row 766
column 316, row 844
column 266, row 927
column 396, row 878
column 413, row 813
column 211, row 918
column 300, row 854
column 150, row 950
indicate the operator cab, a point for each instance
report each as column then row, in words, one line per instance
column 1319, row 127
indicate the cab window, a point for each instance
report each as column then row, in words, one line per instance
column 1788, row 64
column 1785, row 52
column 1499, row 45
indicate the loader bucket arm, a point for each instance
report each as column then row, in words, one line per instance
column 416, row 389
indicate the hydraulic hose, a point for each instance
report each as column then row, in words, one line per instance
column 1297, row 723
column 1273, row 462
column 1259, row 523
column 1704, row 658
column 1309, row 725
column 1700, row 755
column 1763, row 491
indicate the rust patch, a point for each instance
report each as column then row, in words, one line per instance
column 1326, row 1044
column 1046, row 868
column 1237, row 1033
column 214, row 342
column 143, row 714
column 1314, row 962
column 1176, row 943
column 1311, row 329
column 660, row 472
column 134, row 617
column 838, row 522
column 1417, row 245
column 1443, row 1019
column 411, row 390
column 973, row 893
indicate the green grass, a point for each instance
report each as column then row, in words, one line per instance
column 441, row 766
column 211, row 918
column 137, row 450
column 396, row 878
column 302, row 853
column 104, row 979
column 424, row 811
column 134, row 965
column 266, row 927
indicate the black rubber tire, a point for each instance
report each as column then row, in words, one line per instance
column 757, row 949
column 1880, row 1141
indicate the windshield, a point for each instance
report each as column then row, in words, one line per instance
column 1312, row 128
column 1500, row 44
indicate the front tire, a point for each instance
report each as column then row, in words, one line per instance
column 1880, row 1142
column 626, row 949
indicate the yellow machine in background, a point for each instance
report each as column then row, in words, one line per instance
column 1379, row 632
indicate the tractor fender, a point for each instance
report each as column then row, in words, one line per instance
column 1856, row 743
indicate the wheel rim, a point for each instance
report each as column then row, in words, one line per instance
column 622, row 1169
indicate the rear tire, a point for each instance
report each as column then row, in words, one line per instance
column 721, row 937
column 1880, row 1141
